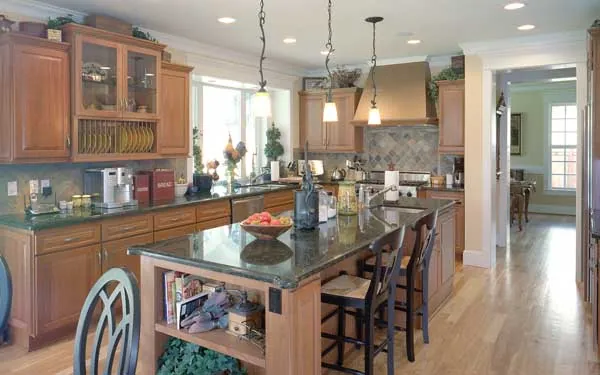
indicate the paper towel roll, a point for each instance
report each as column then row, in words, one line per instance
column 274, row 171
column 392, row 178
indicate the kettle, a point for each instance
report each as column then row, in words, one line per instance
column 338, row 174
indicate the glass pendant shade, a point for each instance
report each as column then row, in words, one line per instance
column 261, row 104
column 330, row 112
column 374, row 116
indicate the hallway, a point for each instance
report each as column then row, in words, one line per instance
column 525, row 317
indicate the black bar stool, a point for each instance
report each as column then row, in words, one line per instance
column 410, row 267
column 5, row 299
column 366, row 296
column 123, row 333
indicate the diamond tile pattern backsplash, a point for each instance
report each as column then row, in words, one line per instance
column 66, row 179
column 409, row 148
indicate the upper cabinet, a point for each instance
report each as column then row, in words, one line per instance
column 451, row 101
column 340, row 136
column 174, row 130
column 34, row 99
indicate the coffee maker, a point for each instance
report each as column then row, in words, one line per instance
column 459, row 171
column 109, row 187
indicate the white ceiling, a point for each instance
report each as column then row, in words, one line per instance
column 440, row 24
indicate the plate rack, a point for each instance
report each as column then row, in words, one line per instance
column 115, row 137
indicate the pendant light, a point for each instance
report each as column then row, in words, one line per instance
column 374, row 116
column 330, row 110
column 261, row 101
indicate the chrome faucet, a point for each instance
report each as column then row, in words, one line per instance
column 369, row 199
column 254, row 179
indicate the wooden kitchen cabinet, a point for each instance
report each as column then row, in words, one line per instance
column 174, row 129
column 167, row 234
column 447, row 254
column 451, row 101
column 459, row 211
column 173, row 218
column 340, row 136
column 34, row 104
column 114, row 253
column 63, row 281
column 213, row 223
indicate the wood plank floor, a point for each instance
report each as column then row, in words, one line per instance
column 523, row 317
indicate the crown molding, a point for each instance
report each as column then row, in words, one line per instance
column 515, row 45
column 41, row 11
column 544, row 86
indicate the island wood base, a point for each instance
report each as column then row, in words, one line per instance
column 293, row 338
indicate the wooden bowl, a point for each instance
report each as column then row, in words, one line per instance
column 266, row 232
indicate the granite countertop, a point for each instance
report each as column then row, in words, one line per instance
column 457, row 189
column 35, row 223
column 296, row 255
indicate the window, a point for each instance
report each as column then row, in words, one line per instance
column 563, row 146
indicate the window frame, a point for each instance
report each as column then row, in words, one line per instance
column 549, row 146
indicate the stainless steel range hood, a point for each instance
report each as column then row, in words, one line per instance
column 401, row 96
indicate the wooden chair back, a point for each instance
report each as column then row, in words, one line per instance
column 422, row 249
column 382, row 284
column 5, row 298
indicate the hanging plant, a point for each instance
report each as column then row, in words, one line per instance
column 138, row 33
column 273, row 148
column 184, row 358
column 448, row 74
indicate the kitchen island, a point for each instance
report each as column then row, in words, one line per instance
column 286, row 275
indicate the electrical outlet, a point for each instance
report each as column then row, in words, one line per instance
column 34, row 186
column 45, row 183
column 12, row 189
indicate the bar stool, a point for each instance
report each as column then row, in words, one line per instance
column 366, row 296
column 410, row 266
column 5, row 299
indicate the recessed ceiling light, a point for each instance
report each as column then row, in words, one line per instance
column 526, row 27
column 514, row 5
column 413, row 41
column 289, row 40
column 226, row 20
column 325, row 52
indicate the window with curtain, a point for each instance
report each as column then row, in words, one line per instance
column 563, row 147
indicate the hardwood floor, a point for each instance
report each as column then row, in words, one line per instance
column 525, row 317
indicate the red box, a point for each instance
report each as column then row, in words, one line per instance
column 141, row 188
column 162, row 184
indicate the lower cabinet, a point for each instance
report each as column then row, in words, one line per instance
column 63, row 282
column 167, row 234
column 114, row 253
column 214, row 223
column 459, row 211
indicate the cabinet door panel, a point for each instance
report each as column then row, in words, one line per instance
column 174, row 129
column 460, row 228
column 63, row 281
column 115, row 253
column 447, row 248
column 311, row 121
column 452, row 117
column 340, row 134
column 174, row 232
column 214, row 223
column 41, row 106
column 141, row 78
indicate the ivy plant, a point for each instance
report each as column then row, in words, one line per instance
column 273, row 148
column 184, row 358
column 56, row 23
column 140, row 34
column 448, row 74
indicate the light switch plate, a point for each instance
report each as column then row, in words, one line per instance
column 12, row 189
column 34, row 186
column 45, row 183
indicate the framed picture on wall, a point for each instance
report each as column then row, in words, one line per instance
column 516, row 135
column 314, row 83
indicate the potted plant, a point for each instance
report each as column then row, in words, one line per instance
column 183, row 358
column 54, row 31
column 343, row 77
column 140, row 34
column 273, row 148
column 448, row 74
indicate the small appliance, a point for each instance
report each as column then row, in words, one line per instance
column 338, row 174
column 202, row 183
column 109, row 187
column 408, row 182
column 459, row 171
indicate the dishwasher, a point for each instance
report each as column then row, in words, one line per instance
column 244, row 207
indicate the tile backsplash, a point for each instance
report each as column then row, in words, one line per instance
column 66, row 179
column 409, row 148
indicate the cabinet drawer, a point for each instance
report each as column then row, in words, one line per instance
column 126, row 227
column 458, row 197
column 52, row 240
column 213, row 223
column 279, row 198
column 213, row 210
column 175, row 218
column 175, row 232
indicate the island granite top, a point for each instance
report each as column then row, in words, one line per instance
column 296, row 255
column 80, row 216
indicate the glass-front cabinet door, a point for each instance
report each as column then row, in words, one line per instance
column 141, row 83
column 99, row 91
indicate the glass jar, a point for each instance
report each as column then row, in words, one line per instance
column 86, row 201
column 323, row 206
column 347, row 203
column 76, row 199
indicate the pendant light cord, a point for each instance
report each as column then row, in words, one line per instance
column 330, row 50
column 261, row 24
column 374, row 61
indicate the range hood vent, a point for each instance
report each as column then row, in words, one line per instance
column 401, row 96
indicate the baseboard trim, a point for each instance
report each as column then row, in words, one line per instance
column 552, row 209
column 476, row 258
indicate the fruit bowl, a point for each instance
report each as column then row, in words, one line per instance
column 266, row 227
